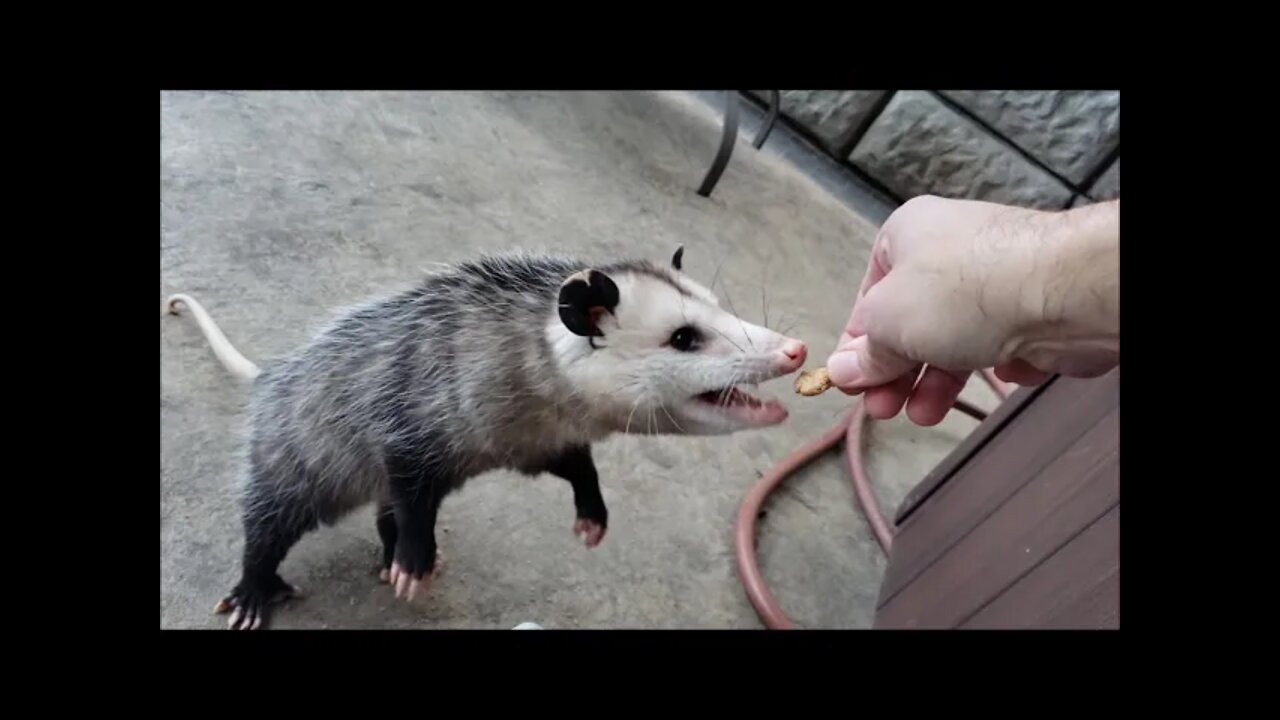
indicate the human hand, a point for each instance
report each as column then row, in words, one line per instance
column 955, row 286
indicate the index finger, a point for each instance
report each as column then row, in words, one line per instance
column 877, row 266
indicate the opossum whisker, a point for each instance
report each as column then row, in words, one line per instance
column 634, row 406
column 723, row 400
column 734, row 312
column 632, row 440
column 764, row 303
column 781, row 315
column 731, row 342
column 668, row 414
column 716, row 276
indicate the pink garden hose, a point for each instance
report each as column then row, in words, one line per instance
column 850, row 430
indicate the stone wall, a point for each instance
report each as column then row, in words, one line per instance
column 1036, row 148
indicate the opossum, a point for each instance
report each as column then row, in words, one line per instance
column 515, row 361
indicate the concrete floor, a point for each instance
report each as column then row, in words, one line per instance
column 278, row 207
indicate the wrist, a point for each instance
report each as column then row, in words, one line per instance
column 1072, row 302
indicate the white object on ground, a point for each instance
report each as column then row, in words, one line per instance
column 527, row 626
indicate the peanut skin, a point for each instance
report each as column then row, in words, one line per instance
column 813, row 382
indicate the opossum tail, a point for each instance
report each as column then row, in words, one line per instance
column 232, row 360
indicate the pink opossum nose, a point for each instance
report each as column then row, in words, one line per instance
column 792, row 355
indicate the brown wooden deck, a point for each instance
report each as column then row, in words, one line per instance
column 1020, row 526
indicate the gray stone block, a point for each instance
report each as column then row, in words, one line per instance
column 920, row 146
column 1070, row 131
column 833, row 116
column 1107, row 186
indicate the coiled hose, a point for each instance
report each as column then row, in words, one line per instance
column 850, row 430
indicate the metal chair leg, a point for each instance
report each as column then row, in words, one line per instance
column 775, row 104
column 728, row 136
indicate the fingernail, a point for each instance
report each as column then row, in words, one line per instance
column 844, row 368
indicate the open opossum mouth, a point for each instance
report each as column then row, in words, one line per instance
column 737, row 403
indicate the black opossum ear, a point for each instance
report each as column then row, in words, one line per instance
column 677, row 260
column 584, row 297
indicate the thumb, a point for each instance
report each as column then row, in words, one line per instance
column 859, row 364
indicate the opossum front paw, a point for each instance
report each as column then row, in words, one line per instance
column 411, row 577
column 384, row 572
column 250, row 601
column 592, row 531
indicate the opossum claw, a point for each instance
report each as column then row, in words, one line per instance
column 251, row 602
column 592, row 531
column 405, row 585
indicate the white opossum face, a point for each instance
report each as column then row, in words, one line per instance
column 654, row 351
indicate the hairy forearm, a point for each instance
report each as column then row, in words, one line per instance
column 1084, row 287
column 1075, row 280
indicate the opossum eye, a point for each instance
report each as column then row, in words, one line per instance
column 684, row 338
